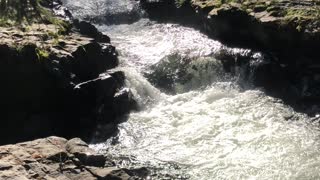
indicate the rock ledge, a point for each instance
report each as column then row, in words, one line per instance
column 58, row 158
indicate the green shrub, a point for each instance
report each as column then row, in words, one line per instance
column 42, row 54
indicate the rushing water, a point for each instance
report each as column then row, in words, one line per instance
column 219, row 128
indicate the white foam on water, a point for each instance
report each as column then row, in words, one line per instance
column 224, row 134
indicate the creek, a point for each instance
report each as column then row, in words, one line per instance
column 211, row 123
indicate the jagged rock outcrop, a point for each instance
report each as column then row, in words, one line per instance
column 51, row 82
column 58, row 158
column 284, row 27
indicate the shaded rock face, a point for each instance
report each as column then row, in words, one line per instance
column 62, row 94
column 167, row 10
column 58, row 158
column 88, row 29
column 93, row 59
column 291, row 71
column 260, row 31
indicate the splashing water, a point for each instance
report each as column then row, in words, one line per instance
column 105, row 11
column 217, row 131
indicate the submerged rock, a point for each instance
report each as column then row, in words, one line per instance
column 178, row 74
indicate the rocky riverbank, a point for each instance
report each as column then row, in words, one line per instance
column 58, row 79
column 279, row 26
column 58, row 158
column 287, row 32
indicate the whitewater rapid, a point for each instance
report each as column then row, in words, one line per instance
column 219, row 131
column 221, row 128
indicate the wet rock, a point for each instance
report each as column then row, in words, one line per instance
column 271, row 77
column 263, row 25
column 124, row 101
column 119, row 76
column 178, row 73
column 87, row 156
column 110, row 173
column 104, row 87
column 88, row 29
column 93, row 59
column 32, row 160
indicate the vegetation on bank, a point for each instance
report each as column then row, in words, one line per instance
column 34, row 22
column 26, row 12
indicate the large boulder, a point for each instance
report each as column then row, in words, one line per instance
column 93, row 59
column 56, row 89
column 90, row 30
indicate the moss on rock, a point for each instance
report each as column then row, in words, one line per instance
column 303, row 15
column 24, row 13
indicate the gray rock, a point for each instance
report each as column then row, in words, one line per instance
column 55, row 158
column 109, row 173
column 5, row 166
column 87, row 156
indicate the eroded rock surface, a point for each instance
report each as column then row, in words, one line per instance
column 57, row 158
column 280, row 26
column 51, row 82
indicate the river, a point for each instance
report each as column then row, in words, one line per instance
column 210, row 123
